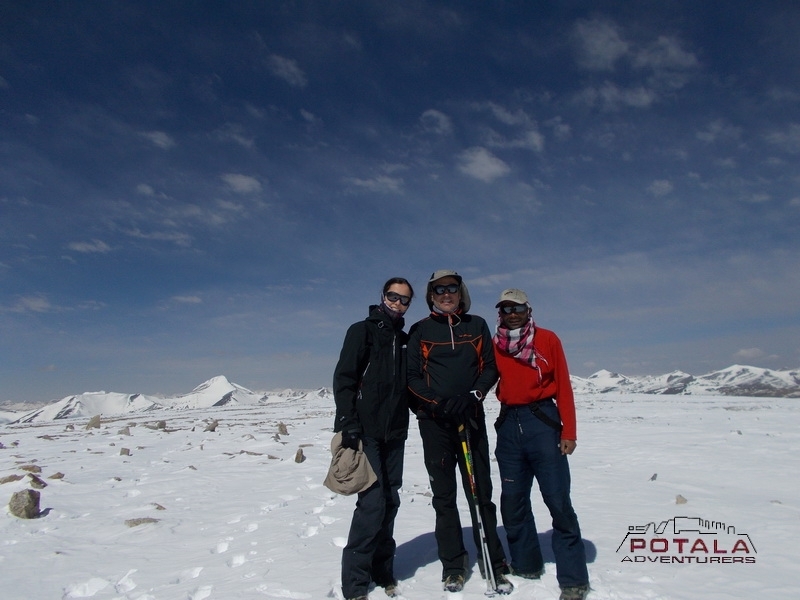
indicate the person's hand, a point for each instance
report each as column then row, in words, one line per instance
column 439, row 409
column 567, row 446
column 350, row 440
column 459, row 406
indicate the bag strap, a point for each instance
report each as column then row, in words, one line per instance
column 539, row 414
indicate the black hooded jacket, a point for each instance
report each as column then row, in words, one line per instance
column 369, row 382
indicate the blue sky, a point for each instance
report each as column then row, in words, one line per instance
column 196, row 189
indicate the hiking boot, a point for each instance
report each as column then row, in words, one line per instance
column 575, row 592
column 391, row 590
column 358, row 598
column 535, row 575
column 454, row 583
column 502, row 584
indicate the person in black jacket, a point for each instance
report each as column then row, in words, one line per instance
column 370, row 391
column 451, row 367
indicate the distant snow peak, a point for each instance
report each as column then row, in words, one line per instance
column 736, row 380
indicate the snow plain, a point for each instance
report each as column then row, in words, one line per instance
column 235, row 516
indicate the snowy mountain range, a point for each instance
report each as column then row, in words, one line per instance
column 737, row 380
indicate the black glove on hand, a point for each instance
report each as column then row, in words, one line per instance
column 350, row 440
column 439, row 409
column 459, row 406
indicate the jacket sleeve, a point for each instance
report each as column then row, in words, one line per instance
column 565, row 397
column 422, row 397
column 347, row 377
column 489, row 374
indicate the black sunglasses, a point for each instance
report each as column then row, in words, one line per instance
column 450, row 289
column 516, row 308
column 394, row 297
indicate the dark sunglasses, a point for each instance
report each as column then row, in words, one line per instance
column 517, row 308
column 450, row 289
column 394, row 297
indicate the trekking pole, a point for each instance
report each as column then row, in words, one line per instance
column 488, row 571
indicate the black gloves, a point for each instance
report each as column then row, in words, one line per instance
column 350, row 439
column 459, row 407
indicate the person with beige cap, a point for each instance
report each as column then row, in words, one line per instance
column 536, row 431
column 451, row 368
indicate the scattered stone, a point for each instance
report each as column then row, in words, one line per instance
column 654, row 477
column 680, row 499
column 158, row 506
column 249, row 436
column 250, row 453
column 10, row 478
column 193, row 468
column 282, row 430
column 94, row 422
column 212, row 425
column 140, row 521
column 36, row 482
column 58, row 475
column 25, row 504
column 276, row 437
column 41, row 437
column 299, row 457
column 69, row 427
column 124, row 451
column 161, row 425
column 31, row 468
column 124, row 431
column 269, row 456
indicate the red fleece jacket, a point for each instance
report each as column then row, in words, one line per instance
column 519, row 382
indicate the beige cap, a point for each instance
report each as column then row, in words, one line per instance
column 442, row 273
column 513, row 295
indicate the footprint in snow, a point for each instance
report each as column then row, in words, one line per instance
column 126, row 584
column 237, row 561
column 201, row 593
column 87, row 589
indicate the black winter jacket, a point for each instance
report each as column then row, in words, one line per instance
column 447, row 356
column 369, row 382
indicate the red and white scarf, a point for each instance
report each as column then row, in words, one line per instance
column 519, row 343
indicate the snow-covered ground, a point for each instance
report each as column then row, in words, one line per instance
column 236, row 517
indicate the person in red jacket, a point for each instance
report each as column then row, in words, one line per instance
column 536, row 432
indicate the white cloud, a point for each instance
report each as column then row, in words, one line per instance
column 481, row 164
column 382, row 184
column 665, row 53
column 177, row 237
column 749, row 354
column 660, row 187
column 38, row 304
column 187, row 299
column 242, row 184
column 437, row 122
column 159, row 138
column 788, row 140
column 613, row 97
column 287, row 69
column 598, row 44
column 95, row 246
column 719, row 131
column 232, row 132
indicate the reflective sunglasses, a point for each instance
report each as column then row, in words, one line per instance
column 450, row 289
column 394, row 297
column 516, row 308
